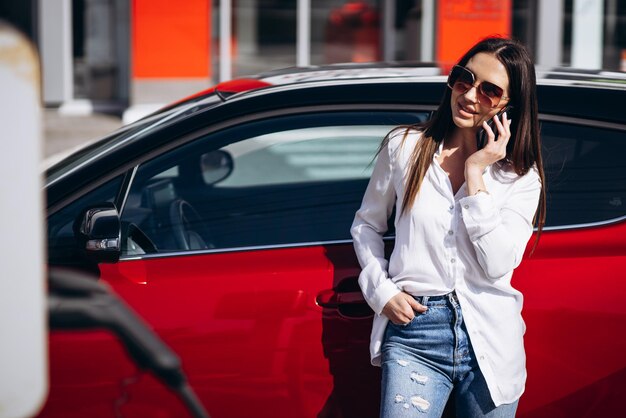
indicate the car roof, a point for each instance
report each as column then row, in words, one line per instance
column 296, row 76
column 304, row 74
column 587, row 94
column 561, row 90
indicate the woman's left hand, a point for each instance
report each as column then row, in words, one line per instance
column 495, row 148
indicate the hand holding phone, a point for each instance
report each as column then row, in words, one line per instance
column 481, row 136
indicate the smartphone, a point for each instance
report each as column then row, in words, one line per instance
column 481, row 136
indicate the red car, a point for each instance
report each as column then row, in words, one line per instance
column 235, row 208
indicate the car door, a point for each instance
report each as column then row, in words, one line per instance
column 237, row 251
column 574, row 284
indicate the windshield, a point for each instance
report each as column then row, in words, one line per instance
column 90, row 150
column 127, row 133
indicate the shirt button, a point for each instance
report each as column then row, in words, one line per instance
column 450, row 232
column 453, row 260
column 482, row 357
column 466, row 206
column 451, row 207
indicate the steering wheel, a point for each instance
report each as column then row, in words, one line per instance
column 187, row 226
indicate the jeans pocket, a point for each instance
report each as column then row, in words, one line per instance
column 408, row 323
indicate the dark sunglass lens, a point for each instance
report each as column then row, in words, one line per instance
column 460, row 79
column 465, row 76
column 491, row 93
column 453, row 77
column 491, row 90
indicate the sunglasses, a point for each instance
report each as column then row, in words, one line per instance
column 462, row 80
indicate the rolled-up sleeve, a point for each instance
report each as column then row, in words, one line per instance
column 500, row 235
column 368, row 228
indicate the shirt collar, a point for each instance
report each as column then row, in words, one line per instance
column 439, row 149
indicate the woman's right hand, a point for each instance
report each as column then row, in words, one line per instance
column 401, row 308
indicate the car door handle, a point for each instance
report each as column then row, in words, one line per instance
column 330, row 298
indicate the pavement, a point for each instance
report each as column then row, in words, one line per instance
column 62, row 133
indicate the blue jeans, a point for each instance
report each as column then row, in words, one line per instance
column 431, row 358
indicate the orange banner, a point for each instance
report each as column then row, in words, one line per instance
column 170, row 39
column 462, row 23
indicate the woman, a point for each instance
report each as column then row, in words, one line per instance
column 448, row 322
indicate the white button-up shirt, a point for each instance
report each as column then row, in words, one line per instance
column 469, row 244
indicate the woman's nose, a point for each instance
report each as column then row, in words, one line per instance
column 471, row 94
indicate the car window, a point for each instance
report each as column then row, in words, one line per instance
column 289, row 180
column 586, row 174
column 305, row 155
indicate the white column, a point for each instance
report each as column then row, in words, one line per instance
column 225, row 54
column 23, row 319
column 303, row 47
column 550, row 33
column 55, row 45
column 247, row 27
column 587, row 40
column 389, row 30
column 427, row 44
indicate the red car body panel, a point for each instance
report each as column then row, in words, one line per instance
column 247, row 327
column 574, row 290
column 255, row 342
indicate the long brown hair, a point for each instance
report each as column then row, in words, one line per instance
column 524, row 148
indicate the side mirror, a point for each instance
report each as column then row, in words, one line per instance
column 99, row 233
column 216, row 166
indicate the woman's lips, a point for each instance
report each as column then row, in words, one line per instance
column 465, row 111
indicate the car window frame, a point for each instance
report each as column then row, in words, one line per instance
column 590, row 123
column 199, row 135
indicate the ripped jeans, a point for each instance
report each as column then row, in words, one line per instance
column 430, row 358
